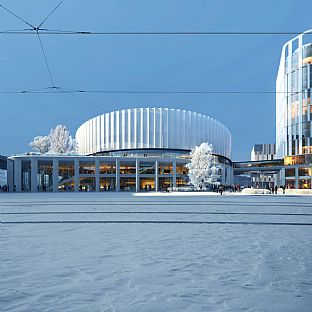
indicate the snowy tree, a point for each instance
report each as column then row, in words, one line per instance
column 202, row 169
column 41, row 144
column 61, row 141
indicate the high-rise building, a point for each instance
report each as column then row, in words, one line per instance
column 294, row 110
column 263, row 152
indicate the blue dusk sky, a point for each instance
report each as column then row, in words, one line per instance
column 144, row 63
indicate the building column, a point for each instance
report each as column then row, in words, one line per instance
column 17, row 175
column 174, row 182
column 34, row 172
column 76, row 176
column 55, row 174
column 156, row 176
column 117, row 175
column 10, row 176
column 297, row 177
column 97, row 175
column 137, row 177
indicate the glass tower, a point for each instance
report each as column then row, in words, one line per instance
column 293, row 101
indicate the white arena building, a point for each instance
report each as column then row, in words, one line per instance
column 152, row 128
column 137, row 149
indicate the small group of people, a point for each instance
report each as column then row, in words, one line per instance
column 5, row 188
column 230, row 188
column 147, row 187
column 274, row 190
column 164, row 189
column 107, row 188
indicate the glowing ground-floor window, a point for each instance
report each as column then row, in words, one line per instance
column 305, row 183
column 127, row 184
column 165, row 182
column 107, row 184
column 87, row 184
column 183, row 181
column 147, row 184
column 67, row 185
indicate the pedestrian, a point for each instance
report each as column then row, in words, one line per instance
column 221, row 189
column 283, row 187
column 276, row 189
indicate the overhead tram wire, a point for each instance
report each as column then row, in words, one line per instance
column 37, row 30
column 53, row 89
column 21, row 110
column 45, row 59
column 157, row 33
column 18, row 17
column 72, row 93
column 49, row 15
column 75, row 91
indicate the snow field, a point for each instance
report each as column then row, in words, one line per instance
column 155, row 266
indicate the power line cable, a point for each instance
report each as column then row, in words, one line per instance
column 73, row 91
column 6, row 9
column 165, row 33
column 38, row 27
column 21, row 110
column 45, row 58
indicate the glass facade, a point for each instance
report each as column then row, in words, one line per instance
column 127, row 168
column 107, row 168
column 99, row 174
column 107, row 184
column 181, row 169
column 163, row 153
column 147, row 184
column 26, row 176
column 87, row 167
column 66, row 175
column 147, row 168
column 87, row 184
column 127, row 184
column 293, row 99
column 44, row 176
column 165, row 168
column 165, row 183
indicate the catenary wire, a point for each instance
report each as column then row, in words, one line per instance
column 49, row 15
column 164, row 33
column 21, row 19
column 45, row 58
column 71, row 91
column 21, row 110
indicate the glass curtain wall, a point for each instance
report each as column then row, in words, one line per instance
column 66, row 176
column 127, row 184
column 87, row 184
column 26, row 176
column 45, row 176
column 107, row 184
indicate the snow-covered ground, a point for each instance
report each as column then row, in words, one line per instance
column 119, row 252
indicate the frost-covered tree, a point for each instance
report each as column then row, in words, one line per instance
column 61, row 141
column 202, row 169
column 41, row 144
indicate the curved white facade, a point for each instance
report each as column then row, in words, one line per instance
column 155, row 128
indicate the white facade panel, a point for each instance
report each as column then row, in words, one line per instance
column 159, row 128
